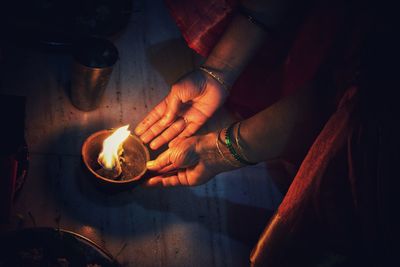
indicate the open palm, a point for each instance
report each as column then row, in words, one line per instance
column 190, row 103
column 188, row 162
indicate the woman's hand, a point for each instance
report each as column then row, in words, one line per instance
column 190, row 103
column 192, row 161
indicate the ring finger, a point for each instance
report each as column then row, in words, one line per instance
column 172, row 131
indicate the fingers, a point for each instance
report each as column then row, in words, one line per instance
column 181, row 156
column 160, row 181
column 160, row 162
column 152, row 132
column 187, row 132
column 159, row 119
column 173, row 105
column 196, row 119
column 190, row 130
column 176, row 128
column 180, row 179
column 169, row 160
column 179, row 128
column 168, row 169
column 175, row 142
column 193, row 122
column 154, row 116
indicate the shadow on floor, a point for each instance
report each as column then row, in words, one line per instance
column 172, row 59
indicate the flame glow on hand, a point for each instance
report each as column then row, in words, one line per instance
column 112, row 149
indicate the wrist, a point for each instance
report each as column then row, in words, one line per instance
column 235, row 145
column 222, row 67
column 235, row 48
column 216, row 154
column 250, row 149
column 216, row 76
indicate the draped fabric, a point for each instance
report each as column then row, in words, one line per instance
column 315, row 223
column 339, row 209
column 286, row 62
column 336, row 211
column 201, row 22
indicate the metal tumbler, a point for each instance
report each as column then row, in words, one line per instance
column 92, row 66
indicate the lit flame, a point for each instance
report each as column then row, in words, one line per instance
column 112, row 149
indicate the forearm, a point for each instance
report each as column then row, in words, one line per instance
column 242, row 38
column 235, row 48
column 291, row 122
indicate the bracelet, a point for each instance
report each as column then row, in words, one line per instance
column 215, row 76
column 221, row 153
column 229, row 145
column 237, row 137
column 245, row 12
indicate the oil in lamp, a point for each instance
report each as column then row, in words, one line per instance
column 116, row 158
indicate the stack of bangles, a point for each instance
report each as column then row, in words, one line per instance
column 239, row 159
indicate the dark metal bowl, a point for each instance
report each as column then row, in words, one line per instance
column 44, row 246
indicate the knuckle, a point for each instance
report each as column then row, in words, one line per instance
column 174, row 155
column 174, row 90
column 176, row 182
column 183, row 179
column 148, row 135
column 155, row 129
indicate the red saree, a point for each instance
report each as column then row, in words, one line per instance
column 285, row 63
column 330, row 214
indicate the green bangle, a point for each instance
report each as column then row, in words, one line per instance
column 237, row 137
column 232, row 163
column 228, row 143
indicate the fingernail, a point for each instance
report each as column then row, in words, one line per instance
column 150, row 164
column 153, row 145
column 138, row 131
column 147, row 183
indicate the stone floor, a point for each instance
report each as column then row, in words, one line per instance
column 215, row 224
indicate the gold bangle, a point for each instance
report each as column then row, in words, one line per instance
column 215, row 77
column 228, row 143
column 221, row 153
column 237, row 137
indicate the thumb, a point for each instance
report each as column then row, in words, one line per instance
column 160, row 162
column 181, row 156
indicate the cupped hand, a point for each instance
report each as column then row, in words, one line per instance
column 190, row 103
column 188, row 162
